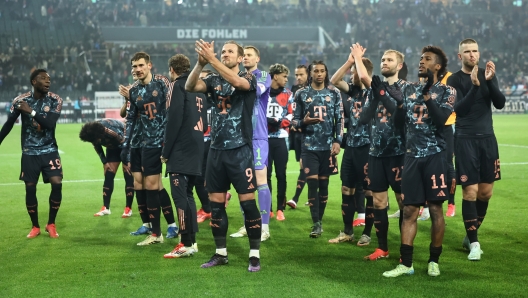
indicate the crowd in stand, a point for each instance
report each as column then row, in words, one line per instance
column 378, row 26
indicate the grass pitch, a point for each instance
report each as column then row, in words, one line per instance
column 98, row 257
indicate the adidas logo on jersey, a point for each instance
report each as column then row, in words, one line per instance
column 441, row 194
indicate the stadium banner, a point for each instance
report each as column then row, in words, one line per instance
column 190, row 35
column 515, row 104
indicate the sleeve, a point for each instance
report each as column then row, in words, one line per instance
column 209, row 80
column 399, row 116
column 263, row 85
column 49, row 120
column 346, row 105
column 298, row 114
column 129, row 129
column 463, row 103
column 174, row 120
column 339, row 119
column 100, row 152
column 498, row 99
column 11, row 119
column 369, row 109
column 286, row 120
column 441, row 110
column 252, row 81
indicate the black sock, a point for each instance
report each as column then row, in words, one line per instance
column 166, row 206
column 381, row 222
column 219, row 224
column 301, row 180
column 202, row 194
column 313, row 199
column 32, row 204
column 359, row 199
column 186, row 239
column 347, row 209
column 193, row 238
column 153, row 207
column 369, row 216
column 108, row 188
column 406, row 253
column 141, row 198
column 129, row 189
column 434, row 253
column 400, row 219
column 55, row 200
column 451, row 199
column 482, row 209
column 469, row 214
column 253, row 223
column 323, row 197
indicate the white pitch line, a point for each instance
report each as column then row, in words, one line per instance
column 511, row 145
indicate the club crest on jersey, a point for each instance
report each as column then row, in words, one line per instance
column 327, row 98
column 382, row 92
column 46, row 109
column 155, row 93
column 139, row 98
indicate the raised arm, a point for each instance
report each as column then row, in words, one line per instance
column 498, row 99
column 337, row 78
column 358, row 51
column 206, row 51
column 8, row 125
column 463, row 103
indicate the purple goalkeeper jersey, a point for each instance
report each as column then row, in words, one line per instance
column 260, row 121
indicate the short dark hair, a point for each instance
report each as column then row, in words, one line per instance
column 35, row 73
column 402, row 74
column 301, row 66
column 179, row 63
column 140, row 55
column 92, row 131
column 278, row 69
column 310, row 67
column 240, row 49
column 441, row 58
column 254, row 49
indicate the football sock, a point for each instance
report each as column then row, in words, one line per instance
column 219, row 224
column 55, row 200
column 253, row 223
column 482, row 209
column 32, row 204
column 108, row 188
column 186, row 239
column 153, row 207
column 129, row 189
column 347, row 210
column 202, row 194
column 323, row 197
column 369, row 216
column 406, row 253
column 469, row 214
column 264, row 201
column 381, row 222
column 400, row 219
column 301, row 180
column 166, row 206
column 434, row 253
column 313, row 198
column 141, row 198
column 359, row 198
